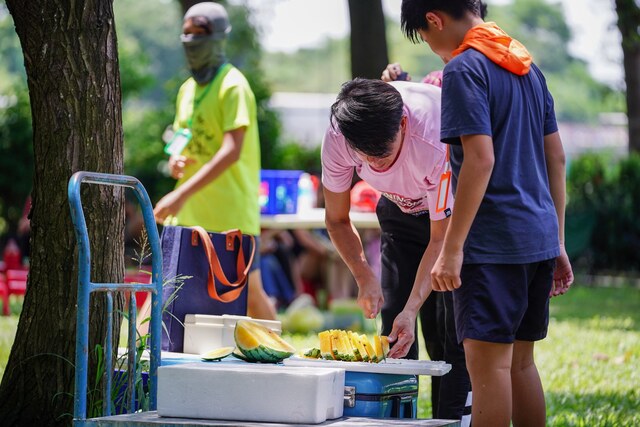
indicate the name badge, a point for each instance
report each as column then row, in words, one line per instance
column 179, row 140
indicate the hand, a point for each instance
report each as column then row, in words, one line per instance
column 370, row 298
column 433, row 78
column 445, row 274
column 169, row 205
column 562, row 274
column 177, row 165
column 402, row 335
column 392, row 72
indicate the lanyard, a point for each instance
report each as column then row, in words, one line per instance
column 197, row 101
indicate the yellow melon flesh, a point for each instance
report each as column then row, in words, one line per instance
column 259, row 343
column 217, row 354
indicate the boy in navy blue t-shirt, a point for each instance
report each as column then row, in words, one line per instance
column 503, row 253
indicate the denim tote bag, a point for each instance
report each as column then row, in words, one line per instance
column 218, row 265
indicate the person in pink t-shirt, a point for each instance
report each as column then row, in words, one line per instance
column 388, row 133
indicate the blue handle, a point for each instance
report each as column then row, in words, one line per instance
column 85, row 287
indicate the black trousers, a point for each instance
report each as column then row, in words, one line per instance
column 404, row 238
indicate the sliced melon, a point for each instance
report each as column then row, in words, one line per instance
column 385, row 345
column 217, row 354
column 346, row 349
column 377, row 345
column 357, row 344
column 325, row 345
column 369, row 348
column 260, row 344
column 312, row 353
column 335, row 345
column 237, row 353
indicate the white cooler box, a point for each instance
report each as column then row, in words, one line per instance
column 251, row 392
column 204, row 332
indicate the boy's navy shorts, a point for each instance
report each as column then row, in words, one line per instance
column 502, row 303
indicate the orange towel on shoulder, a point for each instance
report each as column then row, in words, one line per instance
column 495, row 44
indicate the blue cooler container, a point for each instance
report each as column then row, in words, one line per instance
column 381, row 395
column 278, row 191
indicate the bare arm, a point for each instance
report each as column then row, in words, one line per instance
column 347, row 241
column 556, row 163
column 404, row 324
column 473, row 180
column 227, row 155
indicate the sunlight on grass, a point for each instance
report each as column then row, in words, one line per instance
column 8, row 326
column 590, row 373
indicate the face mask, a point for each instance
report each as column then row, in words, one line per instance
column 205, row 54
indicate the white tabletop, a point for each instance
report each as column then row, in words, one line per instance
column 314, row 218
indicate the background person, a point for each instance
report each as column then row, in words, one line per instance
column 388, row 133
column 218, row 171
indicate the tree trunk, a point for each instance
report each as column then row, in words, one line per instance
column 368, row 39
column 71, row 62
column 628, row 23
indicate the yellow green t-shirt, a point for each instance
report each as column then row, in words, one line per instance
column 231, row 200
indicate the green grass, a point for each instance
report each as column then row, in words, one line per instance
column 8, row 326
column 588, row 363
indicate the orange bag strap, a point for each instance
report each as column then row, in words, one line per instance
column 215, row 269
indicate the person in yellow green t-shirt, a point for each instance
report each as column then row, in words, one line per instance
column 216, row 154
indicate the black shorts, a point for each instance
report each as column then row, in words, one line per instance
column 502, row 303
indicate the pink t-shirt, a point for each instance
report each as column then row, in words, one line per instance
column 413, row 180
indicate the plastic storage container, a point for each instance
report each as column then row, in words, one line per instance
column 204, row 332
column 251, row 392
column 279, row 191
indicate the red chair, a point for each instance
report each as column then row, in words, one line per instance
column 17, row 281
column 138, row 277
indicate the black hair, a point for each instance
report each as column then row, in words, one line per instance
column 368, row 114
column 412, row 14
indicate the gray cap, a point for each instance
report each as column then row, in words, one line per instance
column 215, row 14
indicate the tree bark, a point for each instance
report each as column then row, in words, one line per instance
column 71, row 62
column 368, row 39
column 629, row 23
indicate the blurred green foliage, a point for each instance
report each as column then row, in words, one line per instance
column 540, row 25
column 603, row 232
column 16, row 156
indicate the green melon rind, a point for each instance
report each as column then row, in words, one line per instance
column 262, row 353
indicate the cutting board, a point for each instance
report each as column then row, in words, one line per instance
column 390, row 366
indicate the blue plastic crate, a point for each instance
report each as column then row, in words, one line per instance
column 279, row 191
